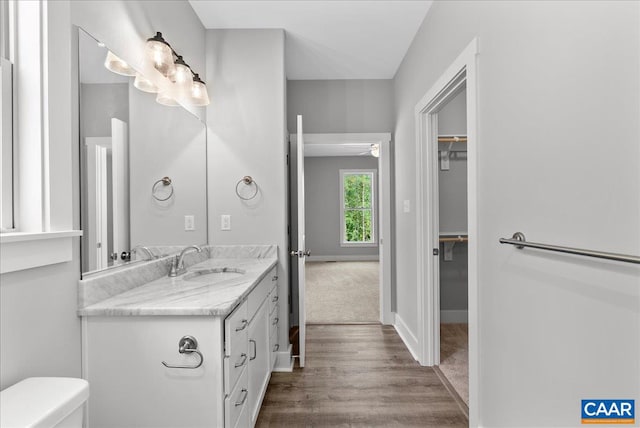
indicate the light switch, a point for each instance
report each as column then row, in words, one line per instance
column 189, row 222
column 407, row 205
column 225, row 222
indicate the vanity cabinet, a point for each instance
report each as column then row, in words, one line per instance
column 123, row 355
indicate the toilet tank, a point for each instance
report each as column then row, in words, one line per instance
column 44, row 402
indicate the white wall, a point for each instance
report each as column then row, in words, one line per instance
column 246, row 136
column 329, row 106
column 558, row 89
column 322, row 204
column 39, row 331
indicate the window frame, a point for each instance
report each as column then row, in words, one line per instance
column 374, row 214
column 7, row 117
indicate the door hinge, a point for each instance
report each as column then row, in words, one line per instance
column 287, row 159
column 436, row 251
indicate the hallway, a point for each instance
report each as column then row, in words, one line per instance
column 358, row 375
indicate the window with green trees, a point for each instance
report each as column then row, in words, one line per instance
column 358, row 207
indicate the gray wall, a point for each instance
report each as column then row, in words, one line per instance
column 40, row 304
column 322, row 204
column 99, row 102
column 548, row 104
column 452, row 184
column 171, row 142
column 247, row 136
column 329, row 106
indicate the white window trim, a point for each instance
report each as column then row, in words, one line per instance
column 374, row 214
column 36, row 241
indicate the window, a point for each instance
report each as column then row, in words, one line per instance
column 6, row 120
column 357, row 208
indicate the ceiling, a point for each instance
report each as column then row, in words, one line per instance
column 331, row 39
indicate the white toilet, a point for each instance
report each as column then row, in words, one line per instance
column 44, row 402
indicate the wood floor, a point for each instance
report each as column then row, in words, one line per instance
column 358, row 376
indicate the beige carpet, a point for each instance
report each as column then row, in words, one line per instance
column 342, row 292
column 454, row 357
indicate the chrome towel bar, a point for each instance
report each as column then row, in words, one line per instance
column 187, row 345
column 520, row 242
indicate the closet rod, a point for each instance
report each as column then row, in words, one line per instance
column 452, row 139
column 459, row 238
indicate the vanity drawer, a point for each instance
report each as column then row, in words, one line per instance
column 275, row 347
column 259, row 294
column 274, row 321
column 236, row 346
column 273, row 298
column 236, row 403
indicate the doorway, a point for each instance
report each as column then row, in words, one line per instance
column 323, row 146
column 459, row 77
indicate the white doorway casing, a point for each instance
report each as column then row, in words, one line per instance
column 463, row 71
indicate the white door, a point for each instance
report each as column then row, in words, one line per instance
column 120, row 174
column 97, row 154
column 301, row 252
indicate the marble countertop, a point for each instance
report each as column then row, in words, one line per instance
column 177, row 296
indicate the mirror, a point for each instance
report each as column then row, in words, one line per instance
column 143, row 168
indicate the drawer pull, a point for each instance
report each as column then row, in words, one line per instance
column 187, row 345
column 274, row 278
column 276, row 347
column 244, row 397
column 245, row 323
column 241, row 363
column 275, row 298
column 255, row 350
column 275, row 321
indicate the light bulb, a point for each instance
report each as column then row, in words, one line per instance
column 159, row 53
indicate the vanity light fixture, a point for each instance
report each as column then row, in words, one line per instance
column 375, row 150
column 159, row 53
column 187, row 85
column 118, row 66
column 144, row 84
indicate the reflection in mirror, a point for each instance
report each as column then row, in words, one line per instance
column 143, row 168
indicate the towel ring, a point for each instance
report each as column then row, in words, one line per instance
column 248, row 181
column 166, row 181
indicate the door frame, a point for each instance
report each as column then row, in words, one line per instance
column 384, row 196
column 463, row 71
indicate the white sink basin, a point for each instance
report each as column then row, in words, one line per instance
column 213, row 275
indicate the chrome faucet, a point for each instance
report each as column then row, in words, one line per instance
column 177, row 266
column 145, row 249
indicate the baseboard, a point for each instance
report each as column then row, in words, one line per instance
column 454, row 316
column 284, row 361
column 371, row 258
column 409, row 339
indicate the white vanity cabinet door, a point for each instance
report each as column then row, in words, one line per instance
column 259, row 360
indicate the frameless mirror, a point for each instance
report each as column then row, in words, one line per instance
column 143, row 168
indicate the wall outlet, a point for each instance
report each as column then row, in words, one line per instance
column 406, row 205
column 225, row 222
column 189, row 222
